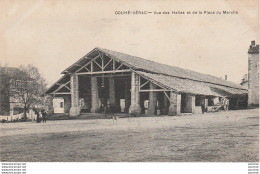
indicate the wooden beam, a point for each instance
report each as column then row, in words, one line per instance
column 86, row 57
column 167, row 95
column 154, row 90
column 61, row 86
column 144, row 84
column 60, row 93
column 102, row 64
column 87, row 69
column 114, row 65
column 67, row 87
column 100, row 54
column 98, row 64
column 91, row 67
column 114, row 75
column 108, row 63
column 119, row 66
column 87, row 63
column 104, row 72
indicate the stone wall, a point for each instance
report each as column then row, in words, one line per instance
column 253, row 79
column 197, row 110
column 175, row 104
column 48, row 104
column 67, row 103
column 189, row 103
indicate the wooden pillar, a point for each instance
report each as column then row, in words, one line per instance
column 127, row 96
column 175, row 104
column 74, row 87
column 94, row 95
column 152, row 100
column 135, row 108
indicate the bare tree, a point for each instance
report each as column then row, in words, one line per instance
column 28, row 87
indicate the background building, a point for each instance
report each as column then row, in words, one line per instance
column 244, row 81
column 9, row 105
column 253, row 75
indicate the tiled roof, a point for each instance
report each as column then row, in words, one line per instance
column 189, row 86
column 155, row 67
column 178, row 79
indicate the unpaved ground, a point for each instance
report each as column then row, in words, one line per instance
column 231, row 136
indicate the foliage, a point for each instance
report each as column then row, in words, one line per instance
column 25, row 85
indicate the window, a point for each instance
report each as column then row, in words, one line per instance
column 61, row 104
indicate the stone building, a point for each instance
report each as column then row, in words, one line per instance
column 130, row 82
column 9, row 105
column 244, row 81
column 253, row 75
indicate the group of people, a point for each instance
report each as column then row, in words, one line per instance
column 106, row 107
column 41, row 116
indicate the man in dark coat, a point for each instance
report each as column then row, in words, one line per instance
column 44, row 116
column 38, row 119
column 203, row 107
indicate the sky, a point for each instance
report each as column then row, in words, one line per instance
column 53, row 34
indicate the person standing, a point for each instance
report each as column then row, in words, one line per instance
column 38, row 120
column 44, row 116
column 203, row 107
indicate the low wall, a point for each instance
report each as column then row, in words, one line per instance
column 197, row 110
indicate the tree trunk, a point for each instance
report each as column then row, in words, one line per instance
column 24, row 113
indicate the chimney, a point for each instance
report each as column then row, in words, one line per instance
column 225, row 77
column 253, row 48
column 253, row 43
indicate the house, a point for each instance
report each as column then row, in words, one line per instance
column 128, row 82
column 244, row 81
column 9, row 105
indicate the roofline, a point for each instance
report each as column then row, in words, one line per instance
column 45, row 92
column 180, row 92
column 100, row 49
column 133, row 68
column 84, row 57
